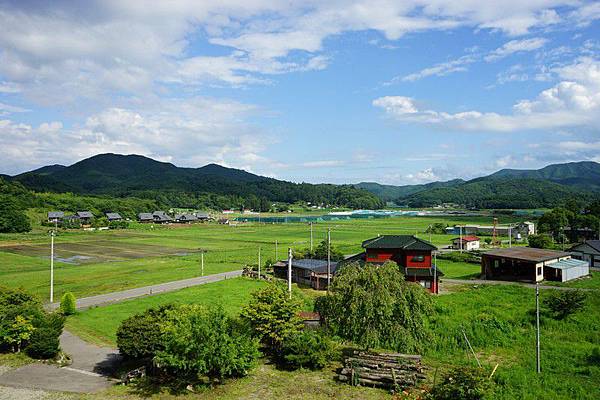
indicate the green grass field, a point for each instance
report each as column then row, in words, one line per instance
column 144, row 255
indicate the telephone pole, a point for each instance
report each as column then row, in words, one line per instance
column 311, row 237
column 259, row 262
column 276, row 254
column 202, row 263
column 537, row 326
column 290, row 271
column 328, row 258
column 460, row 241
column 52, row 266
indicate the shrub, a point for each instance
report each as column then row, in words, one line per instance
column 307, row 349
column 45, row 340
column 564, row 303
column 374, row 307
column 273, row 315
column 540, row 241
column 139, row 336
column 68, row 304
column 202, row 341
column 594, row 356
column 462, row 383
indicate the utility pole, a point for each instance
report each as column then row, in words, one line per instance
column 311, row 237
column 290, row 271
column 259, row 262
column 509, row 236
column 435, row 272
column 460, row 241
column 537, row 326
column 276, row 255
column 52, row 267
column 328, row 258
column 202, row 262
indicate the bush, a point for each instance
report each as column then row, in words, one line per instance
column 45, row 340
column 12, row 218
column 540, row 241
column 594, row 356
column 139, row 336
column 565, row 303
column 68, row 304
column 273, row 315
column 463, row 383
column 374, row 307
column 307, row 349
column 202, row 341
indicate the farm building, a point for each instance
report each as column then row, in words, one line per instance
column 412, row 254
column 112, row 216
column 161, row 217
column 85, row 217
column 466, row 243
column 145, row 217
column 223, row 221
column 307, row 271
column 532, row 265
column 587, row 251
column 185, row 218
column 522, row 229
column 55, row 216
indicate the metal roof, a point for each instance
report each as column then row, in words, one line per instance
column 145, row 216
column 84, row 214
column 55, row 214
column 527, row 254
column 319, row 266
column 423, row 272
column 567, row 264
column 406, row 242
column 186, row 217
column 467, row 239
column 594, row 244
column 113, row 216
column 203, row 215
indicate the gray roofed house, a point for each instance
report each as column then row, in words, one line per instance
column 145, row 217
column 112, row 216
column 201, row 215
column 55, row 216
column 587, row 251
column 185, row 218
column 161, row 217
column 307, row 271
column 85, row 216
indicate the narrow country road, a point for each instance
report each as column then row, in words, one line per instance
column 114, row 297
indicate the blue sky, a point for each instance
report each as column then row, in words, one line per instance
column 329, row 91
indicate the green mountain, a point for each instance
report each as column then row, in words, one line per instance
column 545, row 187
column 392, row 193
column 138, row 176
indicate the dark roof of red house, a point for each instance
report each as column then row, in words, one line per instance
column 405, row 242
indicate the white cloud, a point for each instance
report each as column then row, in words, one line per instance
column 426, row 175
column 505, row 161
column 442, row 69
column 323, row 164
column 575, row 101
column 515, row 46
column 6, row 109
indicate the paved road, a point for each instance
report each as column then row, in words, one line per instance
column 90, row 371
column 491, row 282
column 114, row 297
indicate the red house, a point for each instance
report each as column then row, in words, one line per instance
column 412, row 254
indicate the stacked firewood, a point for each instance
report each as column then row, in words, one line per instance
column 384, row 370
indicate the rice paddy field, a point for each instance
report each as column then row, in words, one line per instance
column 95, row 262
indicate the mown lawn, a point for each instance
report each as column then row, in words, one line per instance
column 458, row 270
column 588, row 282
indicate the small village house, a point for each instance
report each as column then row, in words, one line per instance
column 55, row 216
column 308, row 272
column 522, row 229
column 185, row 218
column 588, row 251
column 85, row 217
column 202, row 216
column 113, row 216
column 161, row 217
column 531, row 265
column 466, row 243
column 413, row 255
column 145, row 217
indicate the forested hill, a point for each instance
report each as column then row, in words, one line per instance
column 211, row 185
column 508, row 188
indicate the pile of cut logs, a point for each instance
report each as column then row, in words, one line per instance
column 384, row 370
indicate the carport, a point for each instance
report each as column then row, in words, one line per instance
column 566, row 270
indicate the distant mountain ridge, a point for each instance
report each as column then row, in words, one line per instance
column 507, row 188
column 135, row 175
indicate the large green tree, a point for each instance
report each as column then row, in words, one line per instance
column 12, row 216
column 374, row 306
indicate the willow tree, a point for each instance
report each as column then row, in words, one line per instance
column 374, row 307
